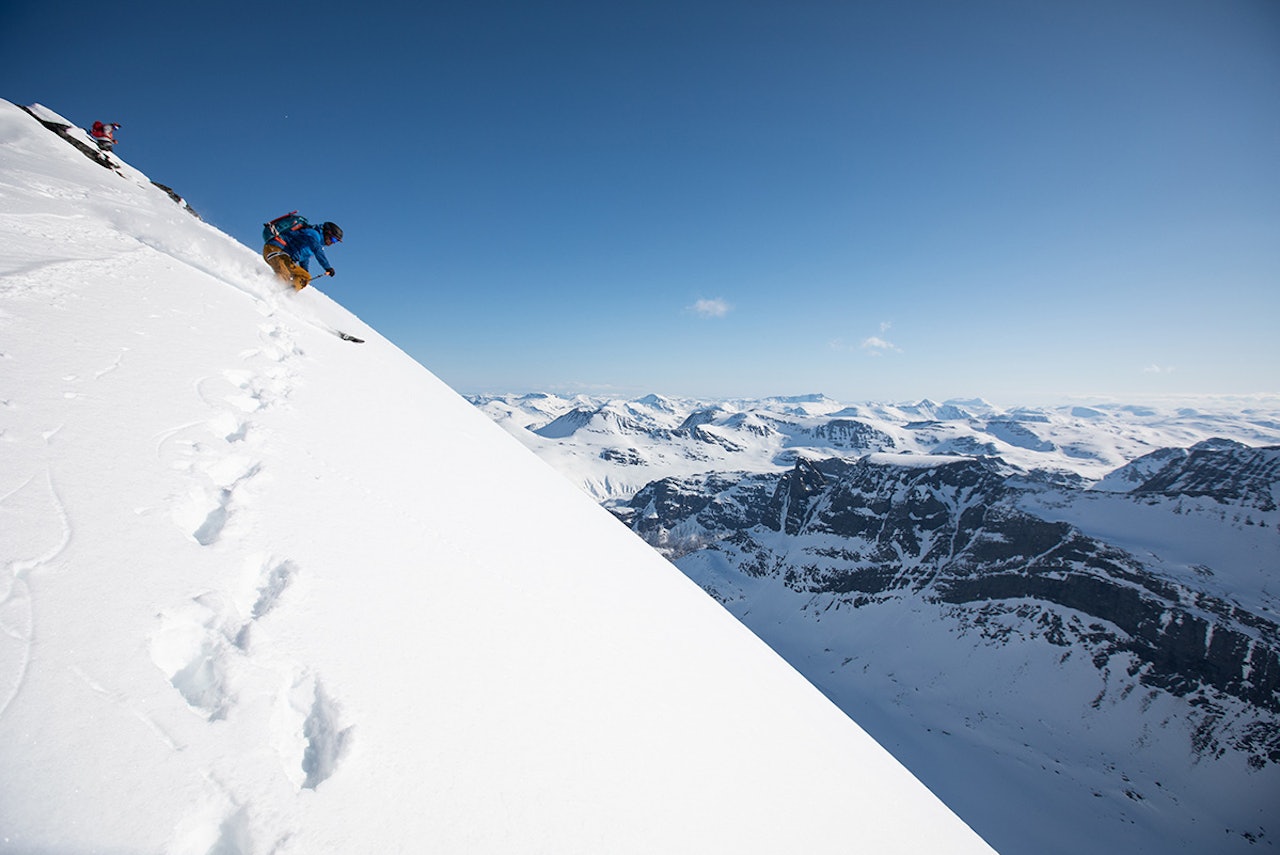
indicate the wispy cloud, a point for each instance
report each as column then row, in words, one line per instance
column 877, row 346
column 1158, row 369
column 716, row 308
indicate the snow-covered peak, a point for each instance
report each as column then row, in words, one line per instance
column 253, row 603
column 613, row 448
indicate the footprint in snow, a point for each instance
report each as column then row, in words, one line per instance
column 275, row 577
column 205, row 648
column 193, row 647
column 200, row 643
column 207, row 508
column 312, row 738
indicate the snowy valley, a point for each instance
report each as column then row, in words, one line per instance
column 252, row 602
column 1064, row 620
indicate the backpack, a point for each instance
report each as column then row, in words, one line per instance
column 290, row 222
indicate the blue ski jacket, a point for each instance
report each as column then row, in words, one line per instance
column 303, row 244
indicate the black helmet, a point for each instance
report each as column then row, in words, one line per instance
column 332, row 232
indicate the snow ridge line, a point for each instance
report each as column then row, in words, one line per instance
column 216, row 646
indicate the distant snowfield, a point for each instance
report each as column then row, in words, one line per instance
column 266, row 591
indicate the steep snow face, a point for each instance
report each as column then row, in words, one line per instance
column 257, row 594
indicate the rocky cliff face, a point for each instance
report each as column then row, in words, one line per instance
column 1228, row 472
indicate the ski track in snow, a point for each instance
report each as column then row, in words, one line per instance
column 34, row 520
column 212, row 647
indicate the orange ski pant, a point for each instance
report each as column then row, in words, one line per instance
column 285, row 267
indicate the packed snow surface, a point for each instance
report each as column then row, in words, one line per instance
column 267, row 591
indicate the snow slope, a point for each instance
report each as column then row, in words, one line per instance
column 264, row 591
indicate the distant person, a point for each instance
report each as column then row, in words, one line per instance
column 104, row 134
column 290, row 243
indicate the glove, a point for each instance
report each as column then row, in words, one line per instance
column 329, row 272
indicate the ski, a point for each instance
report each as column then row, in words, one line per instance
column 348, row 337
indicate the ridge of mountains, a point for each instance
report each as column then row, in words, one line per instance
column 1076, row 606
column 613, row 447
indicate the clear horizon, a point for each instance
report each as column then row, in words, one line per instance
column 880, row 201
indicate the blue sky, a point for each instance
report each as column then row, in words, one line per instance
column 1019, row 200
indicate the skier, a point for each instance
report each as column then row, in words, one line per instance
column 103, row 134
column 289, row 251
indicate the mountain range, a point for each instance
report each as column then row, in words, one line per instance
column 1065, row 613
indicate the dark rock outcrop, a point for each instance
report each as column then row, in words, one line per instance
column 954, row 533
column 104, row 159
